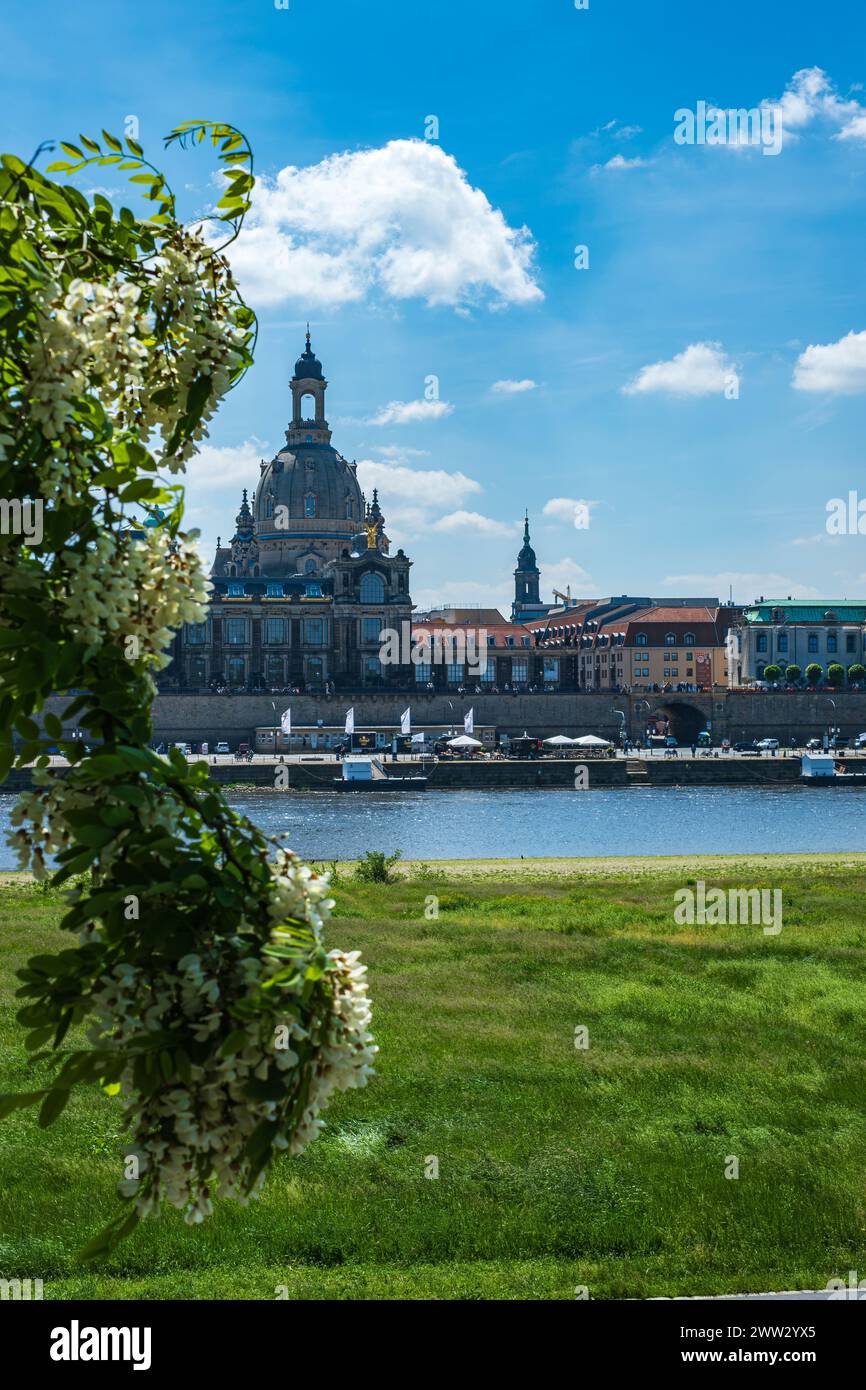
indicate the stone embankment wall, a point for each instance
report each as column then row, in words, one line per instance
column 736, row 715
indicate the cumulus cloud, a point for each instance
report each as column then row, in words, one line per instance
column 402, row 221
column 573, row 509
column 215, row 466
column 619, row 161
column 839, row 368
column 475, row 522
column 411, row 412
column 513, row 388
column 461, row 593
column 431, row 487
column 565, row 572
column 746, row 586
column 811, row 96
column 702, row 369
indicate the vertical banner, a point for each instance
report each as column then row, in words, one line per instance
column 469, row 722
column 350, row 720
column 406, row 721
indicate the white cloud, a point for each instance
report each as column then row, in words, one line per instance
column 236, row 464
column 746, row 586
column 619, row 161
column 474, row 521
column 839, row 368
column 811, row 96
column 563, row 573
column 702, row 369
column 432, row 487
column 411, row 412
column 513, row 388
column 573, row 509
column 401, row 221
column 465, row 593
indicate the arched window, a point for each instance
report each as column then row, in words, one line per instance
column 269, row 509
column 641, row 640
column 348, row 507
column 689, row 639
column 670, row 639
column 310, row 504
column 372, row 588
column 233, row 570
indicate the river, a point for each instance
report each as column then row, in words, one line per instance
column 555, row 823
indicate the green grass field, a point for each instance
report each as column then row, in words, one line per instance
column 558, row 1167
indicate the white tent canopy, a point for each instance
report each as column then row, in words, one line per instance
column 559, row 741
column 592, row 741
column 464, row 741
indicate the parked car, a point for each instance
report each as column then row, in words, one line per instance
column 860, row 741
column 671, row 742
column 770, row 744
column 814, row 745
column 748, row 746
column 222, row 747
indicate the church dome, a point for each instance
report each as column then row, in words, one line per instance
column 313, row 482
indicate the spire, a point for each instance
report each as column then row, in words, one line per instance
column 244, row 519
column 526, row 527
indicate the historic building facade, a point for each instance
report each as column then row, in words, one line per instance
column 797, row 632
column 307, row 584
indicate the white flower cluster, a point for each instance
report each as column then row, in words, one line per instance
column 191, row 1134
column 194, row 289
column 105, row 340
column 125, row 588
column 41, row 829
column 299, row 893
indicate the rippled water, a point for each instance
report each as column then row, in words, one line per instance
column 557, row 822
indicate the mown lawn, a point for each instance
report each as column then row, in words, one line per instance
column 558, row 1167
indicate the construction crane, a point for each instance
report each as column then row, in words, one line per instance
column 566, row 597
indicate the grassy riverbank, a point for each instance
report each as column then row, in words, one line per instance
column 557, row 1167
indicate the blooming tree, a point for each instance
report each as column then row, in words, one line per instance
column 197, row 979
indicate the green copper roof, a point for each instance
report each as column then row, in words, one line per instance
column 806, row 610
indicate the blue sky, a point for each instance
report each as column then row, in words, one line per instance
column 701, row 385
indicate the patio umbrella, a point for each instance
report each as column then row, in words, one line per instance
column 592, row 741
column 559, row 741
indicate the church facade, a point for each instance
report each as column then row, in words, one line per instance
column 307, row 585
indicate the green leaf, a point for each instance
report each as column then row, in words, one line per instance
column 72, row 149
column 234, row 1042
column 112, row 142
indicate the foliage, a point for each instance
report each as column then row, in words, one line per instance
column 813, row 673
column 836, row 673
column 857, row 672
column 376, row 866
column 792, row 673
column 772, row 672
column 198, row 963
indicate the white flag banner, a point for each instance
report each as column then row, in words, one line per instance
column 286, row 722
column 406, row 721
column 469, row 722
column 350, row 720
